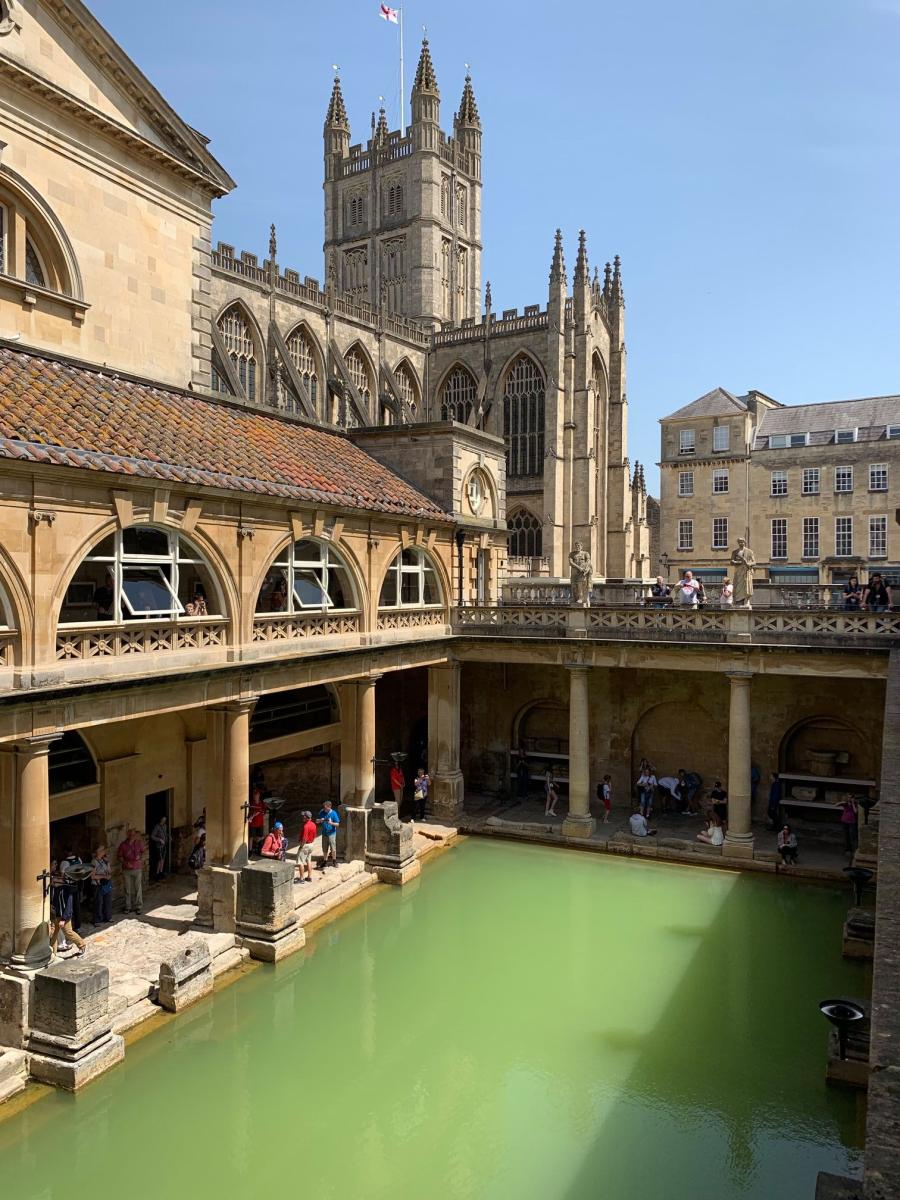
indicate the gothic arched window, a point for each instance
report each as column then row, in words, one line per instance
column 462, row 279
column 526, row 535
column 303, row 357
column 523, row 418
column 407, row 385
column 445, row 196
column 241, row 348
column 446, row 249
column 395, row 199
column 359, row 374
column 458, row 396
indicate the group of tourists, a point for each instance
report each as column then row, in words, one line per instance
column 875, row 596
column 420, row 786
column 689, row 592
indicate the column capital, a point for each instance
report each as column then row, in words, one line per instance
column 36, row 745
column 242, row 705
column 578, row 666
column 740, row 676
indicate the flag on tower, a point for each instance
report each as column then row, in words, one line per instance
column 389, row 14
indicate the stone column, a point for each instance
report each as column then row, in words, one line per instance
column 447, row 785
column 579, row 822
column 365, row 741
column 228, row 788
column 739, row 837
column 31, row 854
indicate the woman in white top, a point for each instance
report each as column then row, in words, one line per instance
column 726, row 596
column 713, row 835
column 646, row 789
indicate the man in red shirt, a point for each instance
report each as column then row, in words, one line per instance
column 398, row 783
column 304, row 854
column 274, row 845
column 256, row 817
column 131, row 856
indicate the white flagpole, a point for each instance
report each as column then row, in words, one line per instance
column 402, row 95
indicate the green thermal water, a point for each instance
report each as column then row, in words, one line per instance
column 519, row 1022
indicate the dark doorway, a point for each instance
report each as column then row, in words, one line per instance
column 156, row 806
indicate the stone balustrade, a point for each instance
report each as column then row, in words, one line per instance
column 280, row 627
column 139, row 637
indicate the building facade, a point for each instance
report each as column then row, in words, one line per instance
column 814, row 488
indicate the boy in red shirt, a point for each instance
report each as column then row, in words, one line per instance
column 304, row 853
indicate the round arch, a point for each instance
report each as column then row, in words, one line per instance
column 110, row 535
column 318, row 396
column 826, row 734
column 16, row 608
column 46, row 233
column 283, row 565
column 406, row 574
column 72, row 763
column 249, row 361
column 544, row 723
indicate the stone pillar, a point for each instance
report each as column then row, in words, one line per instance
column 349, row 748
column 228, row 782
column 447, row 785
column 29, row 949
column 71, row 1040
column 389, row 850
column 365, row 741
column 579, row 822
column 739, row 837
column 266, row 920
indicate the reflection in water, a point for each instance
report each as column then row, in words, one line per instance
column 521, row 1023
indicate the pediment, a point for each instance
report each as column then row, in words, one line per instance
column 60, row 42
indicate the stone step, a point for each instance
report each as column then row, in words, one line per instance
column 323, row 904
column 13, row 1073
column 134, row 1015
column 229, row 959
column 325, row 883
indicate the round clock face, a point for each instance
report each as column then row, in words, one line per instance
column 475, row 492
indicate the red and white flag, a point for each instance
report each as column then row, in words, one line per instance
column 389, row 14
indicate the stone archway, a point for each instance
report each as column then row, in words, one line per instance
column 678, row 734
column 826, row 745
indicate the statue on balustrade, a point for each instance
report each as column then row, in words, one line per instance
column 582, row 573
column 743, row 560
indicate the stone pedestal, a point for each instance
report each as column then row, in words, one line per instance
column 739, row 835
column 266, row 921
column 71, row 1040
column 15, row 1009
column 217, row 895
column 352, row 833
column 390, row 846
column 867, row 849
column 859, row 933
column 578, row 822
column 185, row 977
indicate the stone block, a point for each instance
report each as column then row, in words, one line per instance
column 397, row 876
column 390, row 843
column 859, row 933
column 837, row 1187
column 352, row 833
column 266, row 921
column 15, row 1009
column 13, row 1073
column 217, row 897
column 186, row 976
column 71, row 1041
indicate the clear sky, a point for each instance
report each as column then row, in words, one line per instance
column 741, row 155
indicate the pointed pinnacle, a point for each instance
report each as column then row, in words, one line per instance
column 273, row 243
column 558, row 265
column 381, row 130
column 581, row 264
column 468, row 109
column 337, row 111
column 487, row 295
column 617, row 279
column 426, row 80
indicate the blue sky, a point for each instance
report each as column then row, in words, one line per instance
column 740, row 155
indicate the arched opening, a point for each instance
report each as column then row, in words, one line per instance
column 827, row 746
column 70, row 764
column 526, row 535
column 458, row 396
column 308, row 576
column 408, row 386
column 411, row 582
column 243, row 348
column 523, row 418
column 305, row 360
column 142, row 573
column 33, row 245
column 362, row 378
column 662, row 737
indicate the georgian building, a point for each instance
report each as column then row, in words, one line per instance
column 814, row 488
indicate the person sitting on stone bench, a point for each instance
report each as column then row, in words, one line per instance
column 787, row 845
column 639, row 826
column 713, row 834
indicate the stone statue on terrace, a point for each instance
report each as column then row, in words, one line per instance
column 580, row 579
column 743, row 560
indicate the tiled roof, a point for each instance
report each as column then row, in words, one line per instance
column 870, row 416
column 67, row 414
column 717, row 403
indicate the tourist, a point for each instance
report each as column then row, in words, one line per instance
column 398, row 783
column 878, row 597
column 686, row 591
column 73, row 859
column 604, row 795
column 852, row 594
column 691, row 787
column 773, row 811
column 660, row 593
column 131, row 855
column 61, row 912
column 101, row 876
column 670, row 786
column 787, row 845
column 646, row 790
column 274, row 844
column 197, row 856
column 552, row 795
column 256, row 820
column 523, row 775
column 304, row 851
column 104, row 599
column 639, row 826
column 755, row 777
column 421, row 784
column 726, row 594
column 719, row 798
column 159, row 844
column 329, row 820
column 701, row 594
column 849, row 821
column 713, row 835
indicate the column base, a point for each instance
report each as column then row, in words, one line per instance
column 447, row 796
column 217, row 896
column 398, row 876
column 578, row 826
column 276, row 946
column 739, row 846
column 71, row 1068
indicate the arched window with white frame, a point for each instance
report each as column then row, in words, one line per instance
column 458, row 396
column 142, row 573
column 411, row 582
column 309, row 576
column 523, row 419
column 240, row 345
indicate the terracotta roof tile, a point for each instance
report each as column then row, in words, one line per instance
column 64, row 412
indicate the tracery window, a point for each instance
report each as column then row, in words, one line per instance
column 356, row 272
column 523, row 418
column 461, row 206
column 393, row 273
column 241, row 349
column 359, row 374
column 526, row 535
column 308, row 576
column 141, row 573
column 356, row 210
column 303, row 357
column 445, row 196
column 407, row 385
column 394, row 199
column 458, row 396
column 462, row 279
column 411, row 582
column 445, row 278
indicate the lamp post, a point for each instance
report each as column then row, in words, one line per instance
column 859, row 877
column 664, row 563
column 842, row 1014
